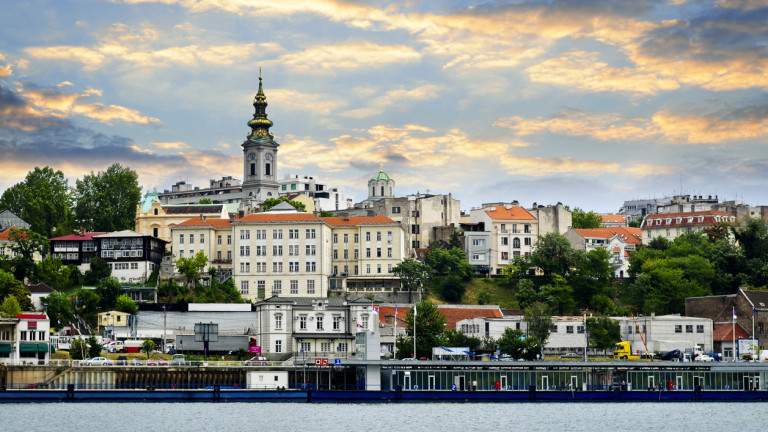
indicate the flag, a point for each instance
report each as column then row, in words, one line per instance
column 753, row 313
column 359, row 325
column 375, row 309
column 734, row 314
column 414, row 310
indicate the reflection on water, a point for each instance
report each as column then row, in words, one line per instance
column 272, row 417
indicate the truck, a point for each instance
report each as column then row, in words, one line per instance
column 623, row 351
column 132, row 346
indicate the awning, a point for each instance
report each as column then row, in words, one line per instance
column 33, row 348
column 5, row 348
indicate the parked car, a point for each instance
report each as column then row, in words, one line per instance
column 137, row 362
column 121, row 360
column 178, row 360
column 256, row 360
column 99, row 361
column 161, row 362
column 704, row 358
column 571, row 355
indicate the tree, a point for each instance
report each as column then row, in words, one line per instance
column 99, row 271
column 553, row 254
column 192, row 267
column 10, row 286
column 271, row 202
column 43, row 200
column 452, row 288
column 324, row 214
column 126, row 304
column 10, row 307
column 88, row 305
column 603, row 332
column 26, row 245
column 77, row 349
column 412, row 274
column 448, row 261
column 514, row 343
column 147, row 347
column 637, row 223
column 591, row 276
column 58, row 308
column 107, row 201
column 584, row 220
column 539, row 321
column 455, row 242
column 455, row 338
column 527, row 294
column 51, row 272
column 430, row 328
column 205, row 201
column 559, row 296
column 94, row 347
column 108, row 291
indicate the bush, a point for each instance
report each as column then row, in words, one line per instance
column 453, row 288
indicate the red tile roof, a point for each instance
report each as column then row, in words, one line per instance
column 213, row 223
column 280, row 217
column 721, row 332
column 629, row 234
column 454, row 314
column 78, row 237
column 387, row 314
column 608, row 218
column 357, row 220
column 708, row 219
column 512, row 213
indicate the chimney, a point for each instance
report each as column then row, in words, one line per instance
column 82, row 231
column 346, row 218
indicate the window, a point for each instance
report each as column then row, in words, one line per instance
column 218, row 239
column 293, row 233
column 134, row 266
column 202, row 239
column 346, row 238
column 319, row 322
column 303, row 322
column 245, row 234
column 505, row 241
column 580, row 329
column 310, row 287
column 357, row 254
column 378, row 268
column 306, row 347
column 516, row 243
column 336, row 322
column 505, row 255
column 689, row 329
column 261, row 285
column 378, row 252
column 155, row 231
column 261, row 250
column 278, row 346
column 277, row 234
column 357, row 238
column 343, row 347
column 181, row 239
column 335, row 238
column 478, row 257
column 478, row 242
column 368, row 236
column 244, row 287
column 367, row 252
column 277, row 287
column 395, row 210
column 389, row 236
column 294, row 286
column 335, row 254
column 277, row 267
column 261, row 267
column 678, row 329
column 293, row 266
column 700, row 328
column 293, row 250
column 245, row 267
column 368, row 268
column 310, row 266
column 310, row 233
column 245, row 251
column 378, row 235
column 365, row 321
column 310, row 249
column 325, row 346
column 414, row 229
column 357, row 269
column 277, row 250
column 389, row 252
column 278, row 322
column 569, row 329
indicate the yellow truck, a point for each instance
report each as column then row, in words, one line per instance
column 623, row 351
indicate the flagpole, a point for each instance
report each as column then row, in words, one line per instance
column 733, row 333
column 395, row 331
column 414, row 332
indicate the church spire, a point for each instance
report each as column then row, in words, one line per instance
column 260, row 124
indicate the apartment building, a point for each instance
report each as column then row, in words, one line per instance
column 213, row 237
column 672, row 225
column 513, row 231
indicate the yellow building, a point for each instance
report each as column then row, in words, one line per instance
column 156, row 219
column 211, row 236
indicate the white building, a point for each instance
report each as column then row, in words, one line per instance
column 666, row 332
column 672, row 225
column 211, row 236
column 618, row 241
column 513, row 231
column 24, row 339
column 325, row 196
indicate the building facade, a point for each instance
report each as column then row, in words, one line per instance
column 25, row 339
column 672, row 225
column 513, row 231
column 213, row 237
column 325, row 196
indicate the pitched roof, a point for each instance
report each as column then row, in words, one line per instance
column 193, row 209
column 212, row 223
column 40, row 288
column 722, row 332
column 708, row 218
column 628, row 234
column 279, row 217
column 358, row 220
column 512, row 213
column 609, row 218
column 758, row 298
column 387, row 314
column 78, row 237
column 123, row 233
column 456, row 313
column 594, row 232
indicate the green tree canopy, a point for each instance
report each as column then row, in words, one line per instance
column 126, row 304
column 553, row 254
column 413, row 275
column 107, row 201
column 10, row 307
column 94, row 347
column 603, row 332
column 10, row 286
column 584, row 220
column 58, row 308
column 515, row 344
column 108, row 291
column 455, row 338
column 51, row 272
column 448, row 261
column 192, row 267
column 271, row 202
column 147, row 347
column 43, row 200
column 205, row 201
column 593, row 275
column 430, row 328
column 99, row 271
column 539, row 320
column 77, row 349
column 27, row 245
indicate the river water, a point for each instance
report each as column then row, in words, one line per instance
column 592, row 417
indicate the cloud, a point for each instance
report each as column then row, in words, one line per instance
column 542, row 167
column 714, row 127
column 171, row 145
column 327, row 58
column 400, row 99
column 56, row 103
column 5, row 71
column 582, row 70
column 295, row 100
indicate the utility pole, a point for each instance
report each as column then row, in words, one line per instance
column 165, row 320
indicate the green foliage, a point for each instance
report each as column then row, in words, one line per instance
column 26, row 245
column 241, row 354
column 603, row 332
column 559, row 296
column 88, row 305
column 107, row 201
column 583, row 220
column 108, row 290
column 147, row 347
column 448, row 261
column 324, row 213
column 514, row 343
column 659, row 244
column 430, row 328
column 455, row 242
column 553, row 254
column 452, row 288
column 637, row 223
column 10, row 286
column 412, row 274
column 484, row 297
column 205, row 201
column 455, row 338
column 51, row 272
column 10, row 307
column 527, row 294
column 271, row 202
column 539, row 321
column 43, row 200
column 94, row 347
column 125, row 304
column 58, row 308
column 99, row 271
column 77, row 349
column 192, row 267
column 592, row 276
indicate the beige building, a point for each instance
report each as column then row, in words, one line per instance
column 672, row 225
column 513, row 231
column 211, row 236
column 157, row 220
column 365, row 249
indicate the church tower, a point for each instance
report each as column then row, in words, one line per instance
column 381, row 186
column 259, row 156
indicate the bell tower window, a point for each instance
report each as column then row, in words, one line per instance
column 253, row 168
column 382, row 191
column 268, row 169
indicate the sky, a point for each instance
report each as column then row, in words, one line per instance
column 587, row 103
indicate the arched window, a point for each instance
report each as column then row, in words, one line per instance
column 516, row 243
column 373, row 191
column 155, row 215
column 382, row 191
